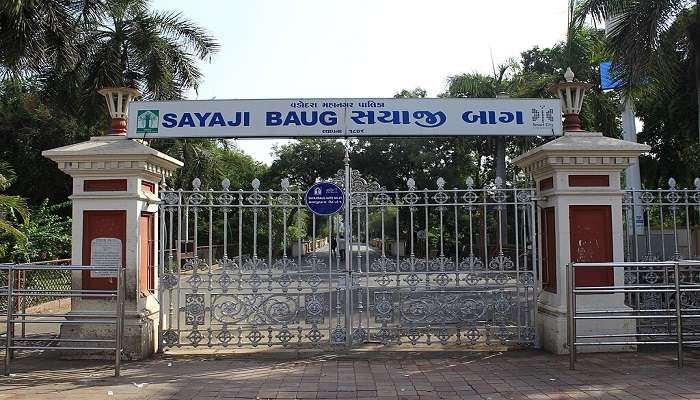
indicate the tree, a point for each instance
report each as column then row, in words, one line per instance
column 27, row 127
column 664, row 108
column 149, row 50
column 36, row 35
column 478, row 85
column 637, row 36
column 48, row 234
column 583, row 51
column 305, row 161
column 45, row 103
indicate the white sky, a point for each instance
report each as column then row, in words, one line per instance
column 359, row 48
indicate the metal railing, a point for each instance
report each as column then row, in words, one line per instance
column 668, row 293
column 16, row 294
column 40, row 279
column 662, row 224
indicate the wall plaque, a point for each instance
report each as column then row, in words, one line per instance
column 105, row 252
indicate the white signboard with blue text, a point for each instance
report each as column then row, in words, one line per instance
column 344, row 117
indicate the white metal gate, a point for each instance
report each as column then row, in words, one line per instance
column 434, row 266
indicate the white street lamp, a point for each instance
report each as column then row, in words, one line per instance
column 118, row 99
column 571, row 95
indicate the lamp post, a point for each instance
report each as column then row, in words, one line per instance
column 118, row 99
column 571, row 95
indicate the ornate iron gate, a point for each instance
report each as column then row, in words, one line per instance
column 432, row 266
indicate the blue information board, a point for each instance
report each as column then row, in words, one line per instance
column 324, row 198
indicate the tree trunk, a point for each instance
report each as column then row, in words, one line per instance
column 501, row 173
column 501, row 156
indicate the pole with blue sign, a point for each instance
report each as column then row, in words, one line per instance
column 633, row 180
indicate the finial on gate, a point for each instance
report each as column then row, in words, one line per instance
column 470, row 182
column 671, row 183
column 441, row 183
column 411, row 183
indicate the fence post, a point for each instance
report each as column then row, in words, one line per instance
column 119, row 312
column 9, row 326
column 22, row 282
column 571, row 314
column 679, row 316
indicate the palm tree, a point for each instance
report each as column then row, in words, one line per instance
column 75, row 47
column 152, row 51
column 11, row 204
column 636, row 30
column 479, row 85
column 36, row 35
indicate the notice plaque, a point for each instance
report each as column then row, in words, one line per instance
column 324, row 198
column 105, row 252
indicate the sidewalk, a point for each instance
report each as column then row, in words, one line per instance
column 384, row 375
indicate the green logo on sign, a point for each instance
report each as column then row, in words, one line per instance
column 146, row 122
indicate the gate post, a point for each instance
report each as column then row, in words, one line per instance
column 115, row 196
column 580, row 219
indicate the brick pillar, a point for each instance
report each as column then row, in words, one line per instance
column 580, row 219
column 115, row 195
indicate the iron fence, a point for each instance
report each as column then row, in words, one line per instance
column 666, row 292
column 15, row 293
column 662, row 224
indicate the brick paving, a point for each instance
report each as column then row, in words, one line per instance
column 528, row 374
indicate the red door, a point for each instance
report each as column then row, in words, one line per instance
column 102, row 224
column 591, row 241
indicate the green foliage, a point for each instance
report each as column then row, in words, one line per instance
column 298, row 230
column 48, row 235
column 10, row 208
column 29, row 126
column 668, row 110
column 305, row 161
column 583, row 52
column 239, row 167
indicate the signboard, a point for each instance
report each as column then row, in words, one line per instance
column 105, row 252
column 344, row 117
column 324, row 198
column 607, row 80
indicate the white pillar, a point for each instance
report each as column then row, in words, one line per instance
column 115, row 195
column 578, row 182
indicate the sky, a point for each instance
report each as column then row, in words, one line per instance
column 359, row 48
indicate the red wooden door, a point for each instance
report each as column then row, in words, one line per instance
column 591, row 241
column 102, row 224
column 549, row 250
column 146, row 264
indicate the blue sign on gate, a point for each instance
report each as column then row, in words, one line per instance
column 324, row 198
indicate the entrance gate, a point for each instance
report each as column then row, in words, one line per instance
column 413, row 266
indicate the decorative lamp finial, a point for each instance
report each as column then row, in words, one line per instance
column 569, row 75
column 571, row 94
column 118, row 99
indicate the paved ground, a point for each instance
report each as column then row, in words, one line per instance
column 361, row 374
